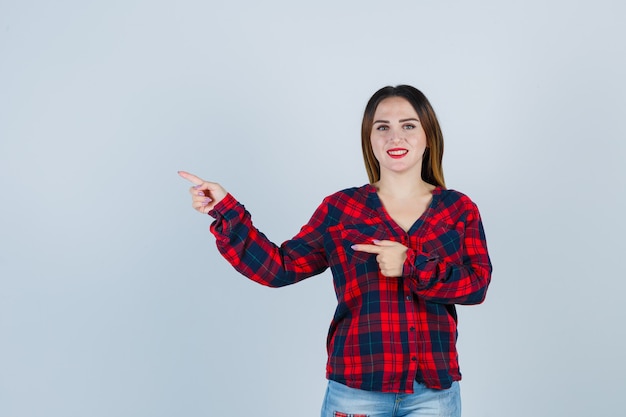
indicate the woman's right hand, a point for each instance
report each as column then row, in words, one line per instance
column 204, row 195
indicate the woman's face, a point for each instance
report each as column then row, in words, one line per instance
column 398, row 139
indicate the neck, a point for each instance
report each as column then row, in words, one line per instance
column 403, row 186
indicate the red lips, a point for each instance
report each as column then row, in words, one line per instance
column 397, row 153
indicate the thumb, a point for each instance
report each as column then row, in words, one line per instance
column 384, row 243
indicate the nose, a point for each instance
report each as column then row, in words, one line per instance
column 395, row 135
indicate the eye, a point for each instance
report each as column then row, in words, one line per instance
column 409, row 127
column 382, row 128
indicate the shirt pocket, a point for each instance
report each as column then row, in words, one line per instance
column 444, row 240
column 361, row 233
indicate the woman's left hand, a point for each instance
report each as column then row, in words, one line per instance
column 390, row 256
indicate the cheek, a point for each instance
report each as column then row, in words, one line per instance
column 377, row 144
column 419, row 141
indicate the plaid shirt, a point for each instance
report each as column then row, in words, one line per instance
column 386, row 332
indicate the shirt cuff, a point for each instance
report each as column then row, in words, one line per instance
column 415, row 261
column 227, row 203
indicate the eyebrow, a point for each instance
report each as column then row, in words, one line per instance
column 401, row 120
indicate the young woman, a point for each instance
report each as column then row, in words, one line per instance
column 403, row 250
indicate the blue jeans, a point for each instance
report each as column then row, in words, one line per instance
column 343, row 401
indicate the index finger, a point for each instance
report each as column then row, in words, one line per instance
column 191, row 177
column 367, row 248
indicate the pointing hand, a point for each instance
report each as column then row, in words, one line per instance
column 390, row 256
column 204, row 195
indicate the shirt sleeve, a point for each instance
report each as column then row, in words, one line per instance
column 440, row 280
column 251, row 253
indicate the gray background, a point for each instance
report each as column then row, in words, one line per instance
column 113, row 298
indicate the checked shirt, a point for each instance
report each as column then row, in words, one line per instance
column 386, row 332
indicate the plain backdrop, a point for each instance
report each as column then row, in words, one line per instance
column 113, row 298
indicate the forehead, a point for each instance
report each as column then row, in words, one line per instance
column 395, row 106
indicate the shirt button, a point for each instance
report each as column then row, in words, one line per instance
column 413, row 358
column 412, row 329
column 409, row 298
